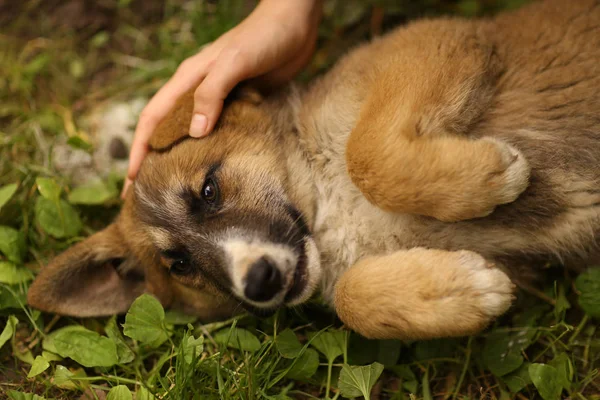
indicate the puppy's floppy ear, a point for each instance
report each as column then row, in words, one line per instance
column 95, row 277
column 175, row 126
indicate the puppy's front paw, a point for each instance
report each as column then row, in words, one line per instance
column 490, row 289
column 422, row 294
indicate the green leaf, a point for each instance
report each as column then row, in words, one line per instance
column 176, row 317
column 357, row 381
column 124, row 353
column 86, row 347
column 404, row 372
column 500, row 353
column 37, row 64
column 305, row 367
column 93, row 194
column 59, row 219
column 145, row 321
column 48, row 188
column 588, row 285
column 287, row 344
column 16, row 395
column 545, row 379
column 192, row 347
column 63, row 377
column 519, row 379
column 40, row 364
column 99, row 39
column 12, row 244
column 120, row 392
column 388, row 352
column 531, row 315
column 237, row 338
column 9, row 330
column 49, row 356
column 434, row 348
column 6, row 193
column 564, row 367
column 12, row 298
column 504, row 395
column 409, row 380
column 78, row 142
column 143, row 394
column 361, row 351
column 331, row 343
column 11, row 274
column 22, row 353
column 76, row 68
column 48, row 342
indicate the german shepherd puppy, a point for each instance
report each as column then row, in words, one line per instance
column 412, row 184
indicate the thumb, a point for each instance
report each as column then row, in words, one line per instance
column 228, row 70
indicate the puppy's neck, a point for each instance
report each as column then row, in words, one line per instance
column 284, row 107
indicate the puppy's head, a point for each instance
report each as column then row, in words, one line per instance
column 218, row 209
column 208, row 226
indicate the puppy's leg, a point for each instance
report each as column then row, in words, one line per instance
column 422, row 293
column 449, row 177
column 410, row 150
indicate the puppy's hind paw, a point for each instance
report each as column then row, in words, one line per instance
column 513, row 178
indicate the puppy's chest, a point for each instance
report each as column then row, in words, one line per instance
column 347, row 227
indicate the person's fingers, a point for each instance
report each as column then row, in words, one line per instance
column 126, row 186
column 229, row 69
column 137, row 154
column 187, row 76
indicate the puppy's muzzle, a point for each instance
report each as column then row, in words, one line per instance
column 263, row 281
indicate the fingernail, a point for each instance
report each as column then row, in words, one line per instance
column 198, row 126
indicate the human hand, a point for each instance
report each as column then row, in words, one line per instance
column 272, row 44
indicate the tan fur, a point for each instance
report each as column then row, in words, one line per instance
column 442, row 294
column 491, row 124
column 449, row 89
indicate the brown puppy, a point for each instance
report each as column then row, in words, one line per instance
column 408, row 185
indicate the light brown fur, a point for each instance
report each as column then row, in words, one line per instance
column 440, row 297
column 429, row 166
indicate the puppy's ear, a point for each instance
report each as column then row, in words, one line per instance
column 95, row 277
column 175, row 126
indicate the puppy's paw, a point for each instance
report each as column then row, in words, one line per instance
column 492, row 184
column 422, row 294
column 490, row 290
column 513, row 177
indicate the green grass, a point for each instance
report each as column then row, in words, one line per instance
column 60, row 62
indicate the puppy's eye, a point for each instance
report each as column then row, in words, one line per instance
column 179, row 261
column 210, row 191
column 180, row 267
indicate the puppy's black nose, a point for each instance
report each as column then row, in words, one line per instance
column 263, row 281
